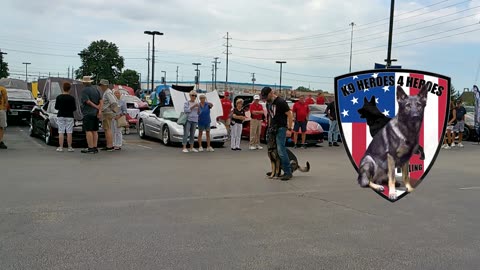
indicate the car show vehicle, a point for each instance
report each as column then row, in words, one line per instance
column 21, row 103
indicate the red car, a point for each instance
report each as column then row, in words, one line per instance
column 314, row 130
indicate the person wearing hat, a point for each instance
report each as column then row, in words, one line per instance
column 109, row 110
column 459, row 127
column 238, row 116
column 227, row 112
column 280, row 120
column 256, row 111
column 92, row 104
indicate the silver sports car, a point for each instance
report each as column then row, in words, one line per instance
column 161, row 123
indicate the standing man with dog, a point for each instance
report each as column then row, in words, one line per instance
column 300, row 111
column 333, row 130
column 280, row 120
column 92, row 104
column 459, row 127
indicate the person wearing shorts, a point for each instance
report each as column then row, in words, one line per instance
column 92, row 104
column 3, row 114
column 227, row 112
column 66, row 105
column 300, row 110
column 109, row 110
column 204, row 122
column 459, row 127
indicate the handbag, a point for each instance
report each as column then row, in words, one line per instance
column 122, row 121
column 182, row 120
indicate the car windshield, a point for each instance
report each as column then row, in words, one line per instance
column 170, row 114
column 51, row 107
column 21, row 94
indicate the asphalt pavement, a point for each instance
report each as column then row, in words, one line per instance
column 152, row 207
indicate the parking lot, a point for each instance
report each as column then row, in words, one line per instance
column 152, row 207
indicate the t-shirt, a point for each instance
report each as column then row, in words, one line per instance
column 94, row 95
column 3, row 98
column 461, row 111
column 301, row 111
column 320, row 100
column 65, row 104
column 256, row 107
column 109, row 102
column 309, row 101
column 238, row 112
column 277, row 111
column 204, row 115
column 192, row 114
column 227, row 108
column 331, row 110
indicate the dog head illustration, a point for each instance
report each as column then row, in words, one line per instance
column 369, row 109
column 411, row 107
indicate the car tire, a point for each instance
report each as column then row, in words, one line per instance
column 466, row 134
column 141, row 130
column 48, row 134
column 166, row 136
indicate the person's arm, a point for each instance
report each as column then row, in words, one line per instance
column 186, row 107
column 5, row 99
column 454, row 116
column 74, row 105
column 289, row 119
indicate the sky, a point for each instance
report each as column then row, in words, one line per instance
column 313, row 36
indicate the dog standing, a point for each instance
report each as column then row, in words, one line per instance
column 395, row 144
column 275, row 158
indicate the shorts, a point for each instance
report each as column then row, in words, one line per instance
column 90, row 123
column 450, row 127
column 107, row 122
column 3, row 119
column 300, row 125
column 65, row 125
column 225, row 122
column 459, row 127
column 203, row 127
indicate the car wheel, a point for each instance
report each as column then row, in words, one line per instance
column 32, row 129
column 466, row 134
column 166, row 136
column 48, row 134
column 141, row 130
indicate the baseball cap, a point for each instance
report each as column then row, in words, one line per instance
column 265, row 92
column 103, row 82
column 256, row 97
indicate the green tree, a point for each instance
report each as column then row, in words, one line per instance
column 454, row 94
column 102, row 60
column 303, row 89
column 4, row 70
column 129, row 78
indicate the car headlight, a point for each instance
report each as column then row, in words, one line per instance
column 136, row 105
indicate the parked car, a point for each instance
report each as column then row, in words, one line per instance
column 21, row 103
column 133, row 102
column 44, row 125
column 469, row 133
column 318, row 115
column 161, row 123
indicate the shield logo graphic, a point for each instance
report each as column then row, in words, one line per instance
column 392, row 124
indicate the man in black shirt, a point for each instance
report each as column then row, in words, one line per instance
column 333, row 129
column 280, row 120
column 459, row 127
column 65, row 104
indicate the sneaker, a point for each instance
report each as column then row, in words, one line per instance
column 336, row 144
column 59, row 149
column 329, row 144
column 447, row 147
column 70, row 149
column 194, row 150
column 444, row 146
column 259, row 147
column 110, row 149
column 200, row 149
column 117, row 148
column 185, row 151
column 90, row 151
column 3, row 146
column 238, row 149
column 453, row 145
column 252, row 148
column 460, row 145
column 286, row 177
column 304, row 146
column 210, row 149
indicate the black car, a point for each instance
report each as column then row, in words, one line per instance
column 21, row 103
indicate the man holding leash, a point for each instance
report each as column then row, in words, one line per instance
column 280, row 119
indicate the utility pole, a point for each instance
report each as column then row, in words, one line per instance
column 177, row 75
column 281, row 65
column 197, row 76
column 148, row 67
column 351, row 47
column 1, row 59
column 389, row 59
column 26, row 70
column 213, row 75
column 153, row 33
column 253, row 82
column 68, row 76
column 216, row 62
column 228, row 46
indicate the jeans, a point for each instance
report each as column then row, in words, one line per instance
column 236, row 133
column 282, row 150
column 333, row 131
column 117, row 135
column 189, row 130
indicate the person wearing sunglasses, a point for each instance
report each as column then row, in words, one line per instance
column 191, row 109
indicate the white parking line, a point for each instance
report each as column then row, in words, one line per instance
column 469, row 188
column 143, row 146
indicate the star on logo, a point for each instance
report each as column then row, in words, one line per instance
column 376, row 100
column 345, row 113
column 355, row 77
column 354, row 100
column 386, row 89
column 366, row 90
column 375, row 75
column 386, row 113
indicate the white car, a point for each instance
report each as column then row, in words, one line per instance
column 161, row 123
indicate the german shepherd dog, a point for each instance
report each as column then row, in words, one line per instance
column 275, row 158
column 394, row 145
column 376, row 120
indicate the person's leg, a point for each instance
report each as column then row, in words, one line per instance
column 186, row 129
column 232, row 137
column 200, row 137
column 253, row 125
column 238, row 135
column 304, row 132
column 1, row 134
column 3, row 125
column 460, row 133
column 207, row 133
column 330, row 133
column 259, row 133
column 90, row 139
column 335, row 133
column 193, row 127
column 282, row 152
column 107, row 127
column 60, row 139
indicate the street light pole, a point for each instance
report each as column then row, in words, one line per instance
column 1, row 59
column 26, row 70
column 389, row 59
column 253, row 82
column 198, row 75
column 153, row 33
column 164, row 77
column 351, row 47
column 281, row 66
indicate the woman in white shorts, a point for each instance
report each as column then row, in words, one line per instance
column 66, row 105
